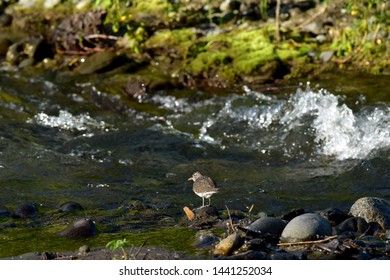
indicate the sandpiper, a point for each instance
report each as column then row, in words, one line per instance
column 203, row 186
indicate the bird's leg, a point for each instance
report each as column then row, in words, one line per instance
column 202, row 201
column 209, row 201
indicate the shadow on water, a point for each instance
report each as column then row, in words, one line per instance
column 318, row 146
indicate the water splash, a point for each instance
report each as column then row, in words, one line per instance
column 309, row 123
column 67, row 121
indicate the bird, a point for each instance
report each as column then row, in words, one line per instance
column 203, row 186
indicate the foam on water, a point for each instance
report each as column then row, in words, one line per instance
column 338, row 131
column 67, row 121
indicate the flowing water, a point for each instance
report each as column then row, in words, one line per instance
column 311, row 145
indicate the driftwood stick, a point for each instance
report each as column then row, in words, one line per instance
column 308, row 242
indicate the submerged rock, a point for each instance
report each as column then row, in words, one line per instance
column 4, row 212
column 372, row 209
column 25, row 211
column 70, row 206
column 80, row 228
column 306, row 227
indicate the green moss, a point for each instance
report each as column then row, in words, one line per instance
column 207, row 60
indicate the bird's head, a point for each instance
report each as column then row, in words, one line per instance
column 195, row 176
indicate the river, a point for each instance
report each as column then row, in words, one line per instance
column 305, row 144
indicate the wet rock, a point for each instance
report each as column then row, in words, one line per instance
column 25, row 211
column 206, row 212
column 84, row 249
column 4, row 212
column 270, row 225
column 306, row 227
column 80, row 228
column 95, row 62
column 249, row 255
column 325, row 56
column 334, row 216
column 34, row 49
column 5, row 20
column 372, row 209
column 4, row 45
column 285, row 256
column 7, row 225
column 292, row 214
column 70, row 206
column 354, row 224
column 228, row 245
column 204, row 239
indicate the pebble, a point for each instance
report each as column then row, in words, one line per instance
column 372, row 209
column 306, row 227
column 269, row 225
column 80, row 228
column 84, row 249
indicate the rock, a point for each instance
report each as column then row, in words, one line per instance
column 325, row 56
column 5, row 20
column 284, row 256
column 306, row 227
column 372, row 209
column 4, row 212
column 269, row 225
column 204, row 239
column 334, row 216
column 25, row 211
column 228, row 245
column 70, row 206
column 84, row 249
column 4, row 45
column 249, row 255
column 292, row 214
column 354, row 224
column 7, row 225
column 95, row 62
column 80, row 228
column 205, row 212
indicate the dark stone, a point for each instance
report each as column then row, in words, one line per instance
column 284, row 256
column 205, row 212
column 4, row 212
column 270, row 225
column 7, row 225
column 334, row 215
column 80, row 228
column 70, row 206
column 354, row 224
column 249, row 255
column 257, row 244
column 5, row 20
column 25, row 211
column 292, row 214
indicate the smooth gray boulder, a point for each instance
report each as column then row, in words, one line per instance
column 269, row 225
column 306, row 227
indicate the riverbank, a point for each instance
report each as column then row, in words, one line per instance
column 201, row 44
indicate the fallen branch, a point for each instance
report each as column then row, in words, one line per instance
column 308, row 242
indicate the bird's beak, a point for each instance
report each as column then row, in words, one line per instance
column 189, row 179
